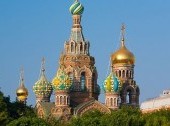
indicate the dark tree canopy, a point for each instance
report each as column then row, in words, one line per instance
column 18, row 114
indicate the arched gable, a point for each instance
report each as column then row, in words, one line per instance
column 89, row 106
column 86, row 70
column 69, row 69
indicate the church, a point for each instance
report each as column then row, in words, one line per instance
column 75, row 83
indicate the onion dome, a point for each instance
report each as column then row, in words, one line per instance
column 123, row 55
column 111, row 84
column 61, row 81
column 76, row 8
column 22, row 92
column 43, row 87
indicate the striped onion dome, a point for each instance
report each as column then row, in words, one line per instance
column 111, row 84
column 76, row 8
column 61, row 81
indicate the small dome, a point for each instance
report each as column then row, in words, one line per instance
column 111, row 84
column 76, row 8
column 22, row 93
column 123, row 56
column 61, row 81
column 43, row 86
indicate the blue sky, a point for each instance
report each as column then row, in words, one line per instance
column 30, row 30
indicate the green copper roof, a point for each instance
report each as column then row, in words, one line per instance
column 111, row 84
column 76, row 8
column 61, row 81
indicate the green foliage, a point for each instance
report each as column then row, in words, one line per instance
column 28, row 121
column 18, row 114
column 3, row 110
column 126, row 116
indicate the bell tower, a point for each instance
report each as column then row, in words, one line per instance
column 122, row 64
column 77, row 62
column 42, row 88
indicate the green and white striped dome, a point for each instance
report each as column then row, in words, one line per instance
column 76, row 8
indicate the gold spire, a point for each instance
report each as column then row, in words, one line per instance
column 123, row 55
column 43, row 66
column 22, row 77
column 42, row 76
column 123, row 35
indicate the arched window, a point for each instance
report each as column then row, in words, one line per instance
column 72, row 47
column 115, row 102
column 71, row 77
column 119, row 73
column 130, row 74
column 128, row 98
column 60, row 100
column 83, row 81
column 111, row 101
column 81, row 47
column 123, row 73
column 127, row 73
column 65, row 100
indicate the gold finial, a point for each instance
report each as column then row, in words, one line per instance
column 123, row 35
column 43, row 66
column 22, row 77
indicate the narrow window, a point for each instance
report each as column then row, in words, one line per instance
column 83, row 81
column 72, row 47
column 128, row 98
column 111, row 102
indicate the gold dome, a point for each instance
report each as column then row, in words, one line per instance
column 123, row 56
column 22, row 93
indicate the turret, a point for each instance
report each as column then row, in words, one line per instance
column 122, row 64
column 111, row 88
column 61, row 85
column 42, row 88
column 22, row 92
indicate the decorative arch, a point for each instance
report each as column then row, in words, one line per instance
column 129, row 91
column 69, row 69
column 58, row 110
column 66, row 111
column 72, row 46
column 91, row 105
column 86, row 70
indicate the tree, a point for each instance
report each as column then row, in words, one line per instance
column 28, row 121
column 3, row 110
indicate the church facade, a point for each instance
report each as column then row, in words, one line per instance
column 75, row 83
